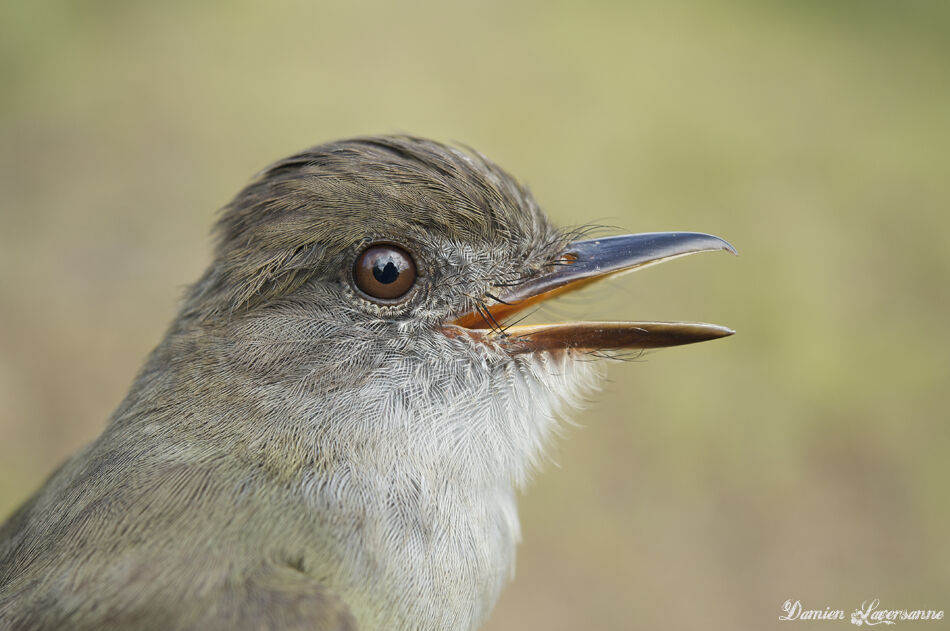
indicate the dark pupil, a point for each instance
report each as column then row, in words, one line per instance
column 387, row 273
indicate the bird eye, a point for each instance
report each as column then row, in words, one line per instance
column 384, row 272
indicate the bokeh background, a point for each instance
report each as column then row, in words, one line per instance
column 805, row 458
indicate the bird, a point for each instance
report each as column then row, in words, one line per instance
column 334, row 429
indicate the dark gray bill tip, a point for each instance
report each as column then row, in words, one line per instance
column 634, row 250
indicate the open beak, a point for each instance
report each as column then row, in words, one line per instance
column 582, row 263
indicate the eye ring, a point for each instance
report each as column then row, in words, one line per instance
column 384, row 273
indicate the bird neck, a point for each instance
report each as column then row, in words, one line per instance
column 401, row 474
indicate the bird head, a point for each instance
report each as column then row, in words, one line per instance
column 363, row 290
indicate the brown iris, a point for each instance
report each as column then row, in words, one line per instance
column 384, row 272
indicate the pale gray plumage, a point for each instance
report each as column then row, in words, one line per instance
column 294, row 456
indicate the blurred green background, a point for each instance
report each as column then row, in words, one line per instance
column 805, row 458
